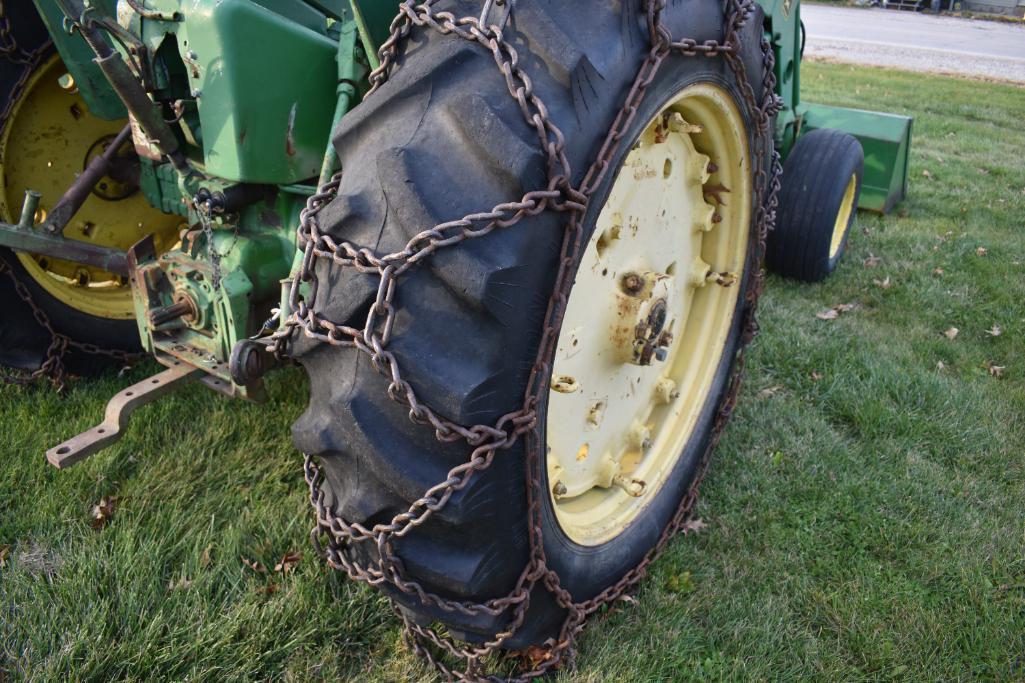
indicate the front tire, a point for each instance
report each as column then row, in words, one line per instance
column 440, row 140
column 818, row 204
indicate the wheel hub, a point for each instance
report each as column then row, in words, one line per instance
column 48, row 137
column 649, row 315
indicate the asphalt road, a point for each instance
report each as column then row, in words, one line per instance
column 915, row 41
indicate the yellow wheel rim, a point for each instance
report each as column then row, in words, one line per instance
column 46, row 141
column 843, row 216
column 670, row 244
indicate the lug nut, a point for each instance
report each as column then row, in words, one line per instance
column 559, row 489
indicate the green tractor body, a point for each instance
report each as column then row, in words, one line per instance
column 256, row 88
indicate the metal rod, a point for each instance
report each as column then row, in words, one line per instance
column 28, row 209
column 38, row 242
column 68, row 205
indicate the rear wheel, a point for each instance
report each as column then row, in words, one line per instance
column 48, row 136
column 651, row 333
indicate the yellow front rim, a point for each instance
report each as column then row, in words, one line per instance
column 843, row 216
column 669, row 245
column 45, row 143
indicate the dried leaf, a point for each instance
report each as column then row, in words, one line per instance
column 693, row 525
column 103, row 511
column 828, row 314
column 994, row 331
column 926, row 174
column 254, row 565
column 535, row 655
column 288, row 562
column 940, row 365
column 982, row 251
column 937, row 271
column 983, row 171
column 5, row 551
column 815, row 376
column 995, row 370
column 204, row 557
column 843, row 308
column 269, row 589
column 770, row 391
column 951, row 333
column 872, row 261
column 884, row 283
column 628, row 599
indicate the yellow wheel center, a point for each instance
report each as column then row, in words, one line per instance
column 48, row 139
column 843, row 216
column 649, row 315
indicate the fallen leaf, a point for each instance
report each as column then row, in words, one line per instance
column 777, row 458
column 994, row 331
column 288, row 562
column 103, row 511
column 815, row 376
column 982, row 251
column 535, row 655
column 937, row 271
column 770, row 391
column 269, row 589
column 995, row 370
column 5, row 550
column 884, row 283
column 872, row 261
column 204, row 557
column 940, row 365
column 693, row 525
column 254, row 565
column 926, row 174
column 628, row 599
column 951, row 333
column 983, row 171
column 828, row 314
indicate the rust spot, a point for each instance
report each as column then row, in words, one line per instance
column 290, row 132
column 582, row 453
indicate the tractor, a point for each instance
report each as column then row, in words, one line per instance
column 517, row 246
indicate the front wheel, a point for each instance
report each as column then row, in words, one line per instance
column 666, row 277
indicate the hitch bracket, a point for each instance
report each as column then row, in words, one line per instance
column 119, row 412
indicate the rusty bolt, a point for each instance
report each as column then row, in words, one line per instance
column 646, row 445
column 712, row 167
column 559, row 489
column 632, row 284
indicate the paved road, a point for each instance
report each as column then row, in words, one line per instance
column 915, row 41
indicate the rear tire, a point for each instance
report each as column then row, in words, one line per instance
column 817, row 205
column 440, row 140
column 23, row 341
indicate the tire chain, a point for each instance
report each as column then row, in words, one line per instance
column 52, row 366
column 486, row 441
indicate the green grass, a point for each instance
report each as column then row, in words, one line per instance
column 865, row 508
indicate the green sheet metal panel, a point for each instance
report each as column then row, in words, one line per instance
column 886, row 141
column 265, row 81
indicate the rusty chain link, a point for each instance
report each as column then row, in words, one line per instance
column 486, row 441
column 52, row 366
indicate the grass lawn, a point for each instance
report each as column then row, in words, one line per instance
column 865, row 511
